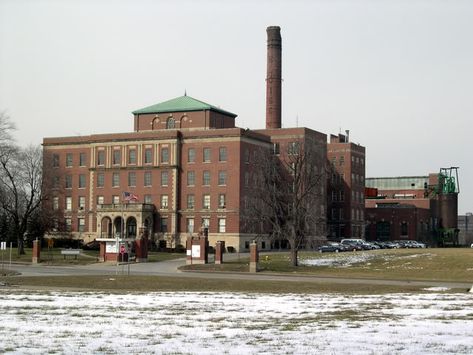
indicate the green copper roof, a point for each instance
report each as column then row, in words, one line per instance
column 181, row 104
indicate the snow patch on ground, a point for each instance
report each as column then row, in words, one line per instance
column 344, row 260
column 235, row 323
column 340, row 260
column 436, row 289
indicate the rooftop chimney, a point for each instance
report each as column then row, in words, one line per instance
column 273, row 78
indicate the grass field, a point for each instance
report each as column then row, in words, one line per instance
column 449, row 264
column 136, row 283
column 71, row 322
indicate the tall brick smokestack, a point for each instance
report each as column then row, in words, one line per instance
column 273, row 78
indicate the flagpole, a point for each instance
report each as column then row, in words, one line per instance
column 117, row 242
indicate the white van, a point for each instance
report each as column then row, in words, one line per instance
column 352, row 241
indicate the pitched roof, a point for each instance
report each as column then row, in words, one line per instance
column 181, row 104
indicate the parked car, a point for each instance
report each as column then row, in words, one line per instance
column 329, row 248
column 352, row 244
column 381, row 245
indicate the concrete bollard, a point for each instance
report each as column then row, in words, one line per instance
column 36, row 251
column 254, row 257
column 219, row 248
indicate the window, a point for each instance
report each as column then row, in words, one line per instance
column 221, row 201
column 164, row 178
column 164, row 201
column 68, row 181
column 100, row 180
column 131, row 179
column 170, row 123
column 68, row 203
column 207, row 155
column 334, row 196
column 334, row 214
column 115, row 199
column 222, row 154
column 206, row 201
column 55, row 160
column 190, row 178
column 81, row 224
column 206, row 178
column 342, row 196
column 147, row 178
column 82, row 159
column 116, row 157
column 55, row 203
column 222, row 225
column 81, row 181
column 68, row 222
column 191, row 155
column 205, row 222
column 164, row 155
column 68, row 159
column 247, row 156
column 101, row 157
column 293, row 148
column 132, row 156
column 404, row 229
column 334, row 160
column 190, row 202
column 56, row 182
column 342, row 160
column 276, row 148
column 190, row 225
column 81, row 203
column 247, row 179
column 163, row 225
column 100, row 200
column 116, row 179
column 55, row 224
column 222, row 177
column 148, row 156
column 148, row 199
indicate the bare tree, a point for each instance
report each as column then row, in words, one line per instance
column 287, row 200
column 6, row 128
column 20, row 187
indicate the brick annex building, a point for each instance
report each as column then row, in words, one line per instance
column 187, row 162
column 421, row 208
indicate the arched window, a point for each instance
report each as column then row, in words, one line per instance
column 131, row 227
column 170, row 123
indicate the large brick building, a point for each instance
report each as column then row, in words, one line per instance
column 190, row 167
column 186, row 162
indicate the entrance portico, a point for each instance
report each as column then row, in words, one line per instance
column 124, row 224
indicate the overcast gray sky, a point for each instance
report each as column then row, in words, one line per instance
column 397, row 74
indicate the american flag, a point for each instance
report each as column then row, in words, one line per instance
column 128, row 196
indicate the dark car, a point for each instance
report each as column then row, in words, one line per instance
column 352, row 245
column 333, row 248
